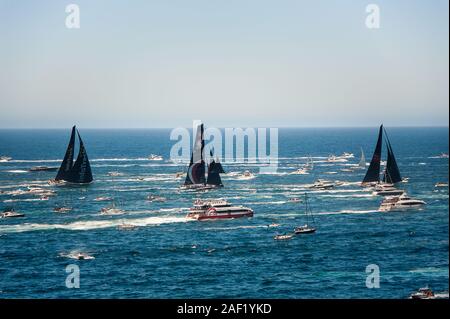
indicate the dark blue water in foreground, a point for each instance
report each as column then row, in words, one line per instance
column 170, row 257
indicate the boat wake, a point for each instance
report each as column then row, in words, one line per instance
column 93, row 224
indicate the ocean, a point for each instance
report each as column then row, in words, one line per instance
column 169, row 256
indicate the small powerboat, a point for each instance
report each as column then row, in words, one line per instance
column 423, row 293
column 301, row 171
column 441, row 184
column 153, row 198
column 283, row 237
column 11, row 213
column 81, row 256
column 102, row 199
column 126, row 226
column 4, row 159
column 294, row 200
column 114, row 174
column 443, row 155
column 273, row 225
column 62, row 209
column 322, row 184
column 154, row 157
column 246, row 175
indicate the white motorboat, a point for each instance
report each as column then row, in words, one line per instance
column 11, row 213
column 154, row 157
column 62, row 209
column 4, row 159
column 443, row 155
column 154, row 198
column 111, row 211
column 383, row 189
column 246, row 175
column 217, row 209
column 322, row 184
column 102, row 199
column 347, row 155
column 294, row 200
column 336, row 159
column 273, row 225
column 301, row 171
column 441, row 184
column 283, row 237
column 427, row 293
column 125, row 226
column 400, row 203
column 115, row 174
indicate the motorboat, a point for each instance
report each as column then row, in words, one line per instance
column 387, row 190
column 81, row 256
column 305, row 229
column 217, row 209
column 273, row 225
column 154, row 157
column 114, row 174
column 4, row 159
column 423, row 293
column 102, row 199
column 400, row 202
column 54, row 182
column 441, row 184
column 111, row 211
column 154, row 198
column 347, row 155
column 43, row 169
column 283, row 237
column 322, row 184
column 11, row 213
column 246, row 175
column 336, row 159
column 125, row 226
column 301, row 171
column 294, row 200
column 62, row 209
column 443, row 155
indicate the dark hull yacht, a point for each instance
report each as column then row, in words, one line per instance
column 78, row 172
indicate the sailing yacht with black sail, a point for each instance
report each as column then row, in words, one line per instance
column 391, row 173
column 78, row 172
column 196, row 174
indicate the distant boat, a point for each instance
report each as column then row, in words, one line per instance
column 78, row 172
column 362, row 161
column 196, row 174
column 391, row 172
column 9, row 212
column 5, row 159
column 308, row 228
column 154, row 157
column 43, row 169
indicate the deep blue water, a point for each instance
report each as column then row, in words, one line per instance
column 170, row 257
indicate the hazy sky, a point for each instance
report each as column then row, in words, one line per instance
column 227, row 62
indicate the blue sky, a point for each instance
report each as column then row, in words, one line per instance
column 229, row 63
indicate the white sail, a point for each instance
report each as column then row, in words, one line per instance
column 362, row 162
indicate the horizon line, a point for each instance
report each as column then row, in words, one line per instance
column 222, row 127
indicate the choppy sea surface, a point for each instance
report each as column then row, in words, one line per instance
column 169, row 256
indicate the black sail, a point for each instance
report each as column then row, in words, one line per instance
column 214, row 171
column 196, row 171
column 373, row 172
column 67, row 162
column 392, row 173
column 81, row 171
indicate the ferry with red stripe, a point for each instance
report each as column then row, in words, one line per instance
column 217, row 209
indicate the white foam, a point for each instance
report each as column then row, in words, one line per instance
column 93, row 224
